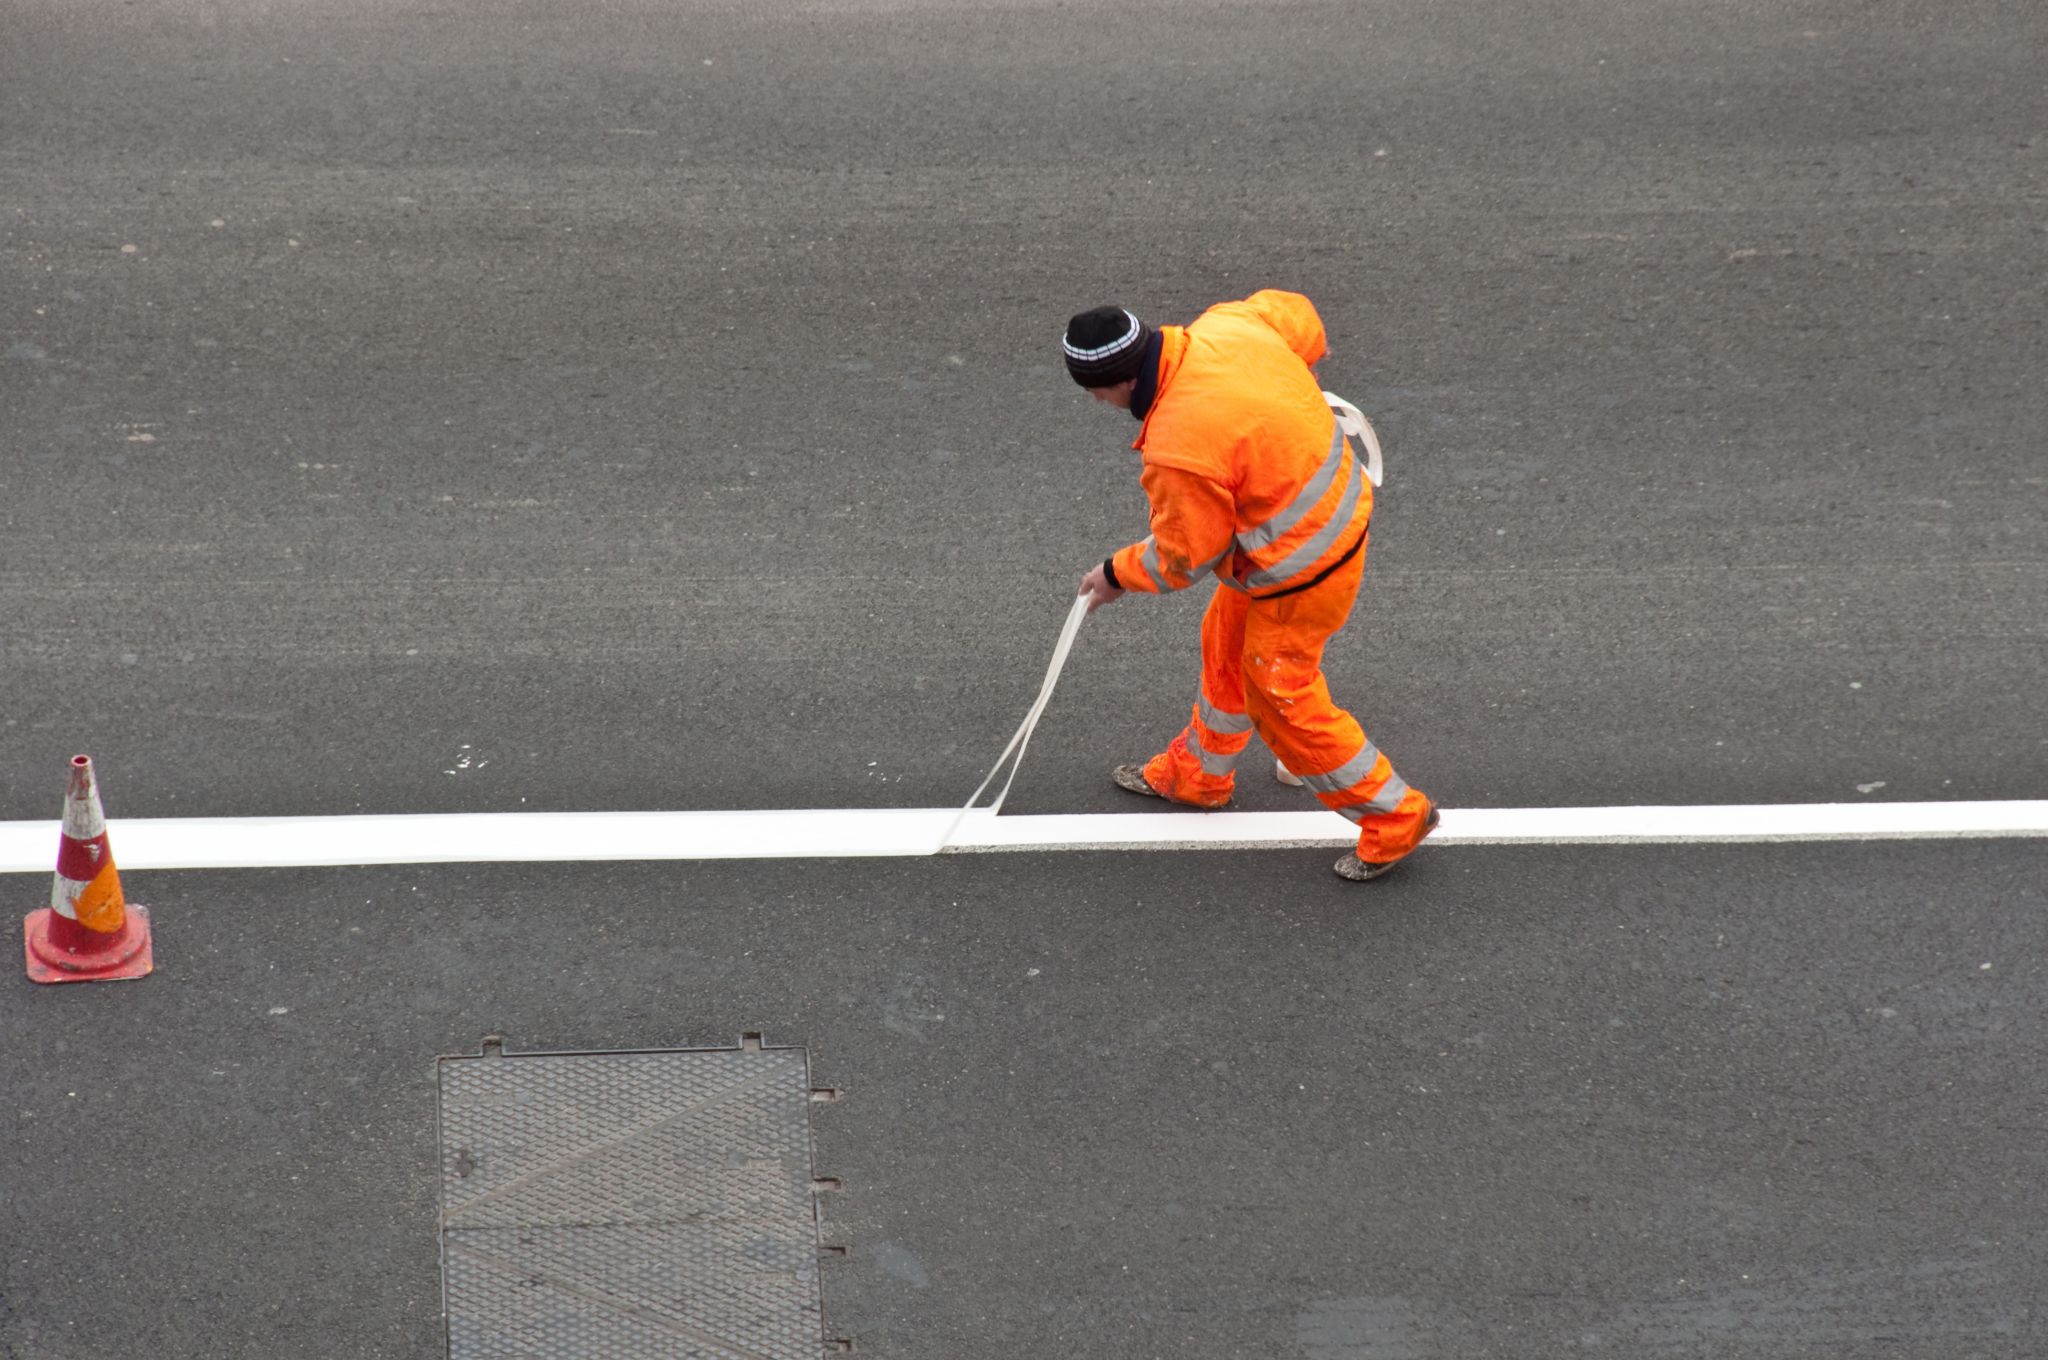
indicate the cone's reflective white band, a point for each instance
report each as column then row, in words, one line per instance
column 64, row 895
column 83, row 819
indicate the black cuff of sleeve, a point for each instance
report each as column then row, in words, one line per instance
column 1109, row 573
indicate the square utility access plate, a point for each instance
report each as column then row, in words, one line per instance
column 621, row 1205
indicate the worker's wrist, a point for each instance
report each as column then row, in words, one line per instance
column 1109, row 573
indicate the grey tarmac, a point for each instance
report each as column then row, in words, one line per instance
column 485, row 408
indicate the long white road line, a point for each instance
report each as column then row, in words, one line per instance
column 830, row 833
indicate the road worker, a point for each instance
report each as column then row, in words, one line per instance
column 1249, row 477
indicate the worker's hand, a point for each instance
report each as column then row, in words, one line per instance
column 1095, row 585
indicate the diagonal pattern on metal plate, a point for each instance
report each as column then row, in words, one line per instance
column 612, row 1206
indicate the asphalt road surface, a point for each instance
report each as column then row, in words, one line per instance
column 415, row 408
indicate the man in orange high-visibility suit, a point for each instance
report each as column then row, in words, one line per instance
column 1249, row 477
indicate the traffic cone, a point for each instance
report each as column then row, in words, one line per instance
column 88, row 933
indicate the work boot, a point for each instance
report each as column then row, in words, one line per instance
column 1132, row 777
column 1177, row 776
column 1359, row 871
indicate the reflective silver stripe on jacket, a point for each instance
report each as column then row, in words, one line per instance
column 1307, row 554
column 1156, row 569
column 1386, row 800
column 1259, row 535
column 1216, row 720
column 1148, row 563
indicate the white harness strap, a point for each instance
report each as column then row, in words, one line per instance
column 1022, row 737
column 1355, row 426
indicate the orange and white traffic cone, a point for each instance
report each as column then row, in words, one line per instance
column 88, row 933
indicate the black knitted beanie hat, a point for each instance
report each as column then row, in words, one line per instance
column 1103, row 346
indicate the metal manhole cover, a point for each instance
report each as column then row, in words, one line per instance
column 610, row 1206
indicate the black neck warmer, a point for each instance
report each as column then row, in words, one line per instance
column 1147, row 385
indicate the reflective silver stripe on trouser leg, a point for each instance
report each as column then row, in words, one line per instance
column 1350, row 773
column 1216, row 720
column 1223, row 725
column 1386, row 800
column 1218, row 763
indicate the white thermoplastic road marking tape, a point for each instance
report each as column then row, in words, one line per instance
column 830, row 833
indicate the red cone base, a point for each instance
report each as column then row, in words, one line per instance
column 61, row 950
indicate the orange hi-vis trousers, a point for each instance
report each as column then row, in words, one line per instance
column 1262, row 669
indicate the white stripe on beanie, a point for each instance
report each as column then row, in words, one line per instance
column 1104, row 351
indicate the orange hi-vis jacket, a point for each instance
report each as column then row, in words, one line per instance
column 1246, row 470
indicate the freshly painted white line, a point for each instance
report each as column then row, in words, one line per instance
column 491, row 837
column 1519, row 826
column 831, row 833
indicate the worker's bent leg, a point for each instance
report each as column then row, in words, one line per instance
column 1199, row 767
column 1290, row 703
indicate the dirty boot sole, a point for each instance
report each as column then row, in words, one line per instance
column 1361, row 871
column 1131, row 778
